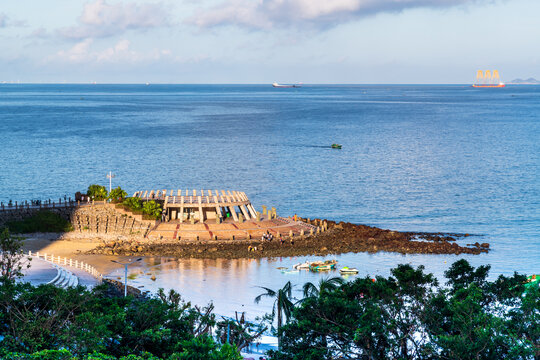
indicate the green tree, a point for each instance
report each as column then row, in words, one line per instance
column 97, row 192
column 152, row 209
column 238, row 331
column 478, row 319
column 117, row 195
column 205, row 348
column 461, row 274
column 133, row 203
column 12, row 258
column 282, row 306
column 330, row 284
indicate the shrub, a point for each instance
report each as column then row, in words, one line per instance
column 117, row 195
column 97, row 192
column 51, row 323
column 133, row 203
column 153, row 209
column 42, row 221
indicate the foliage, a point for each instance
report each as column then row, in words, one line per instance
column 404, row 316
column 90, row 324
column 204, row 348
column 409, row 316
column 283, row 304
column 310, row 290
column 117, row 195
column 11, row 256
column 97, row 192
column 238, row 331
column 133, row 203
column 152, row 209
column 41, row 221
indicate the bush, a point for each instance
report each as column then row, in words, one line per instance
column 42, row 221
column 153, row 209
column 35, row 321
column 97, row 192
column 133, row 203
column 117, row 195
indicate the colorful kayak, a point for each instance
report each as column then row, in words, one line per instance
column 323, row 265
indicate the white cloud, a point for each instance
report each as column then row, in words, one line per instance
column 100, row 19
column 265, row 14
column 121, row 52
column 78, row 53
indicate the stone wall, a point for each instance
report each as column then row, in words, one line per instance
column 96, row 218
column 106, row 219
column 20, row 213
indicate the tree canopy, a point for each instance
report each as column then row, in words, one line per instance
column 97, row 192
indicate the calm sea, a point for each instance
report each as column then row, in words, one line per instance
column 422, row 158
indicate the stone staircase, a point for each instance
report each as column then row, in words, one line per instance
column 64, row 278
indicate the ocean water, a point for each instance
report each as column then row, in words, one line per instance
column 420, row 158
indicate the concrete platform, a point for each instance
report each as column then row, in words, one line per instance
column 240, row 230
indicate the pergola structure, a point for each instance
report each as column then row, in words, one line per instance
column 201, row 205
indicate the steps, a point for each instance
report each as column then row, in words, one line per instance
column 64, row 278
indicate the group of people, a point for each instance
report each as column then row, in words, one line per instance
column 267, row 236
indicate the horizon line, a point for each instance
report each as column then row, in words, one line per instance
column 239, row 84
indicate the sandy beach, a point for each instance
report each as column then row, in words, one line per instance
column 99, row 249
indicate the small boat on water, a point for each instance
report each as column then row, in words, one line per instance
column 276, row 85
column 336, row 146
column 302, row 266
column 323, row 265
column 347, row 270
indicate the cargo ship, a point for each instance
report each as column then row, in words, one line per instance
column 276, row 85
column 488, row 80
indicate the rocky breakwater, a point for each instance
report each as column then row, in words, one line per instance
column 339, row 238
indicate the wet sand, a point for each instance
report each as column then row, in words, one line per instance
column 99, row 249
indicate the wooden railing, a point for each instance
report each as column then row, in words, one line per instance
column 68, row 262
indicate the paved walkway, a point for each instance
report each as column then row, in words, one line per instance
column 246, row 230
column 41, row 272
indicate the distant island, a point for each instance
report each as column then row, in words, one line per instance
column 529, row 81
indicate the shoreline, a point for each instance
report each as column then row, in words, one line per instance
column 340, row 238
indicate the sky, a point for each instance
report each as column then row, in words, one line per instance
column 262, row 41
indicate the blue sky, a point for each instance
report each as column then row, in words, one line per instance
column 262, row 41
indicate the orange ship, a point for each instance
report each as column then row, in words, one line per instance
column 488, row 80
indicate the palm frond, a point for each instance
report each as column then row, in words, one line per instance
column 268, row 293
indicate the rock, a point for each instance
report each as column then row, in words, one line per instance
column 484, row 245
column 324, row 248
